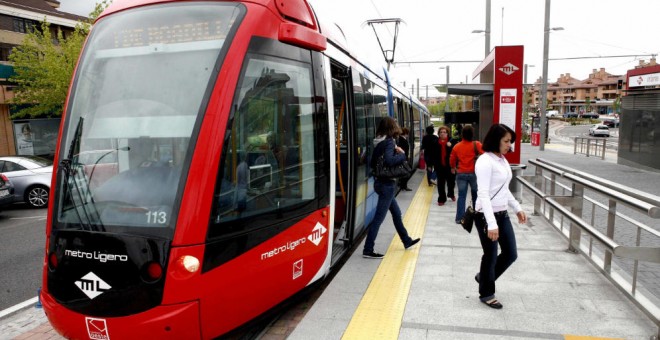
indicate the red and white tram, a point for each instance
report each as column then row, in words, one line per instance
column 230, row 142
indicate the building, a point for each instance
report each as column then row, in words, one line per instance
column 432, row 100
column 18, row 17
column 639, row 136
column 596, row 95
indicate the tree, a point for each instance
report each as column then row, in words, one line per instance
column 43, row 68
column 616, row 105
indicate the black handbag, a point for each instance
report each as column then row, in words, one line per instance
column 468, row 218
column 383, row 171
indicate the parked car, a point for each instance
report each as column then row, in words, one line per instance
column 552, row 113
column 6, row 191
column 611, row 122
column 599, row 130
column 570, row 115
column 593, row 115
column 30, row 176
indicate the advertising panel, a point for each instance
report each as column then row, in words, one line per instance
column 36, row 137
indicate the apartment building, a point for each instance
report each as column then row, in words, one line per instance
column 597, row 94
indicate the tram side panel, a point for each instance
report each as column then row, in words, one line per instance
column 268, row 235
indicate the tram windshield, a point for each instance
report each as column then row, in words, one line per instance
column 140, row 87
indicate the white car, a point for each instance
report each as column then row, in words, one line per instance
column 599, row 130
column 552, row 113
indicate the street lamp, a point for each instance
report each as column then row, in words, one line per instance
column 447, row 86
column 544, row 85
column 526, row 91
column 487, row 30
column 487, row 48
column 526, row 66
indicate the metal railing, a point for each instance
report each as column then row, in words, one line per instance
column 590, row 146
column 570, row 206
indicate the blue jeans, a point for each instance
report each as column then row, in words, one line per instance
column 386, row 201
column 430, row 175
column 462, row 181
column 493, row 265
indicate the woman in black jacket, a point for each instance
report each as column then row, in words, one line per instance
column 384, row 145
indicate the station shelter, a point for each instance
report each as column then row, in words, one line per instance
column 497, row 92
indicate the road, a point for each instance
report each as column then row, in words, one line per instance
column 21, row 254
column 570, row 131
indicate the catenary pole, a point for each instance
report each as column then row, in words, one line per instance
column 544, row 85
column 487, row 51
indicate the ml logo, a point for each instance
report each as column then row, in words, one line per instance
column 317, row 234
column 92, row 285
column 509, row 69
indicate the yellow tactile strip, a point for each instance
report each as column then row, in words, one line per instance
column 381, row 310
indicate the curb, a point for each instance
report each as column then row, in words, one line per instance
column 13, row 310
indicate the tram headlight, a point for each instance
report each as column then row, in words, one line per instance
column 185, row 267
column 189, row 263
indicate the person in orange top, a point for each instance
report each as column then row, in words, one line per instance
column 462, row 160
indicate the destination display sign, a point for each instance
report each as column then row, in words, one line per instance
column 172, row 34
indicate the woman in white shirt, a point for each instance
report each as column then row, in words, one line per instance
column 492, row 220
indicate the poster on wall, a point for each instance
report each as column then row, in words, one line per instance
column 24, row 142
column 508, row 108
column 36, row 137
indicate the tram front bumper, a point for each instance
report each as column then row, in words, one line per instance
column 179, row 321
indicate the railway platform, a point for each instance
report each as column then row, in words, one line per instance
column 429, row 292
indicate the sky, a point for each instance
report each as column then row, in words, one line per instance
column 80, row 7
column 441, row 30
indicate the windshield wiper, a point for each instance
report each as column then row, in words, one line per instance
column 70, row 170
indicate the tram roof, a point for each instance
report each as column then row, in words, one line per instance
column 400, row 89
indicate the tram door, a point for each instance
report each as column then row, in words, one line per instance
column 403, row 118
column 345, row 156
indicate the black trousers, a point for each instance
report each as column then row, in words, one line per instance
column 445, row 177
column 403, row 182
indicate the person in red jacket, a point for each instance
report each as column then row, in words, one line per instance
column 443, row 169
column 462, row 160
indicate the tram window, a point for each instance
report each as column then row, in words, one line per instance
column 269, row 162
column 416, row 122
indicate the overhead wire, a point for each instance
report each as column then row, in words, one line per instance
column 380, row 16
column 579, row 44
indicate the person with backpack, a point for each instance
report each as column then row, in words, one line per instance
column 462, row 160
